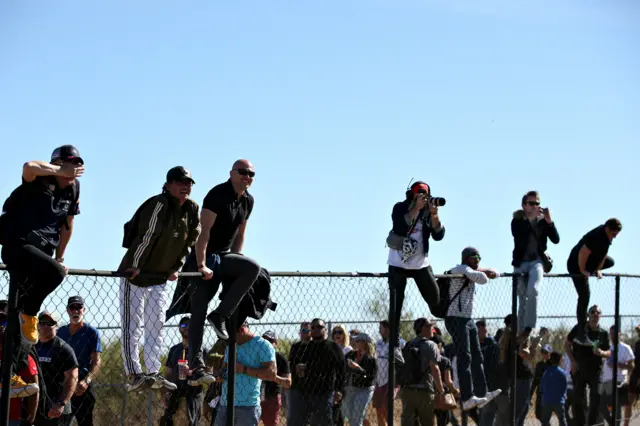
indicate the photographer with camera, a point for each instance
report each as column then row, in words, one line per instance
column 531, row 227
column 415, row 220
column 35, row 228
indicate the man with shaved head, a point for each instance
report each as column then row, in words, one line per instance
column 225, row 212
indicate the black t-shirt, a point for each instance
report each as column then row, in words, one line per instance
column 43, row 206
column 271, row 389
column 587, row 361
column 325, row 367
column 175, row 354
column 444, row 365
column 230, row 213
column 597, row 241
column 55, row 357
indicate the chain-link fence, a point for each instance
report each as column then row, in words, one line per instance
column 339, row 305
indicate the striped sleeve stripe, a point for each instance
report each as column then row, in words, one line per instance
column 146, row 240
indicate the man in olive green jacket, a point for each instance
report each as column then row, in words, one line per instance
column 158, row 239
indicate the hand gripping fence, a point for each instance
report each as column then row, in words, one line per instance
column 348, row 304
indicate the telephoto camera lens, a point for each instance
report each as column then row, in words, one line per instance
column 438, row 201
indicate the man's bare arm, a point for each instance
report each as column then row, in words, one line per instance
column 266, row 372
column 437, row 378
column 583, row 256
column 238, row 241
column 32, row 169
column 69, row 387
column 207, row 219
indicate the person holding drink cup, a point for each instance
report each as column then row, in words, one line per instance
column 177, row 371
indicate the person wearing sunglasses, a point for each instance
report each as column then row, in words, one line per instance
column 158, row 239
column 531, row 228
column 226, row 210
column 192, row 394
column 36, row 225
column 60, row 371
column 463, row 330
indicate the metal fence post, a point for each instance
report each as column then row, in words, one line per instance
column 9, row 341
column 514, row 336
column 149, row 408
column 393, row 337
column 231, row 369
column 614, row 384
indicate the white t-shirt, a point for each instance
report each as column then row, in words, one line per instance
column 382, row 359
column 566, row 366
column 418, row 260
column 625, row 354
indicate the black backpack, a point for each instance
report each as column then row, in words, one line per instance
column 410, row 372
column 12, row 205
column 444, row 283
column 131, row 227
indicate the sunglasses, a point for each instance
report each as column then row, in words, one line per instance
column 76, row 307
column 317, row 327
column 245, row 172
column 304, row 330
column 595, row 313
column 338, row 331
column 184, row 325
column 477, row 256
column 48, row 323
column 533, row 203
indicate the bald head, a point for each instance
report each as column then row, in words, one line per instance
column 242, row 175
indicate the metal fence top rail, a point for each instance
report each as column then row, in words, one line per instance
column 114, row 274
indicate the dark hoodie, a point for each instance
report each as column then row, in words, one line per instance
column 521, row 230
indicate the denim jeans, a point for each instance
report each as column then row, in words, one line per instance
column 356, row 401
column 523, row 399
column 466, row 347
column 528, row 286
column 503, row 411
column 311, row 409
column 244, row 416
column 488, row 413
column 547, row 412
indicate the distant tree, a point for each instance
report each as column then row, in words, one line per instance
column 379, row 308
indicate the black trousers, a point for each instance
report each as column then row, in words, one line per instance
column 244, row 272
column 581, row 284
column 37, row 275
column 194, row 398
column 424, row 279
column 582, row 379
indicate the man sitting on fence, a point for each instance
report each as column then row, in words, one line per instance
column 36, row 223
column 158, row 239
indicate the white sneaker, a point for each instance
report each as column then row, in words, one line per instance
column 490, row 396
column 473, row 402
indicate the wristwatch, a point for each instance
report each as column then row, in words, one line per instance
column 87, row 380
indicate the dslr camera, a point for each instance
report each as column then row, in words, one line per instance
column 434, row 201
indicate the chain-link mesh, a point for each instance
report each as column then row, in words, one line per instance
column 343, row 307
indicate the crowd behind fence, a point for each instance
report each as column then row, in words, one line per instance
column 355, row 300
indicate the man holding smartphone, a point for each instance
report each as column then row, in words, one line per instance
column 589, row 257
column 35, row 228
column 531, row 227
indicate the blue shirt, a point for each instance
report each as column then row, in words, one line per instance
column 553, row 386
column 84, row 342
column 252, row 354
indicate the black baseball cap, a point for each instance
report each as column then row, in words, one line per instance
column 73, row 300
column 179, row 173
column 66, row 153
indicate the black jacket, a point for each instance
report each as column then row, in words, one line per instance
column 521, row 230
column 361, row 378
column 401, row 227
column 254, row 304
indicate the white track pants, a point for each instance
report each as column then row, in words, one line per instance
column 142, row 306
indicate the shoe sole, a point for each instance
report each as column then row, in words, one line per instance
column 201, row 381
column 22, row 333
column 579, row 343
column 489, row 399
column 23, row 392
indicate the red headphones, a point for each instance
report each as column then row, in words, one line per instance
column 419, row 187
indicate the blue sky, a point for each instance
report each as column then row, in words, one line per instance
column 338, row 105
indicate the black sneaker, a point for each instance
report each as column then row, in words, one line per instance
column 582, row 339
column 200, row 377
column 161, row 382
column 139, row 382
column 218, row 324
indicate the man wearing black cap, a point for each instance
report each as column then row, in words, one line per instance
column 177, row 359
column 463, row 330
column 36, row 224
column 157, row 239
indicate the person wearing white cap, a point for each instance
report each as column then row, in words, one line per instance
column 462, row 328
